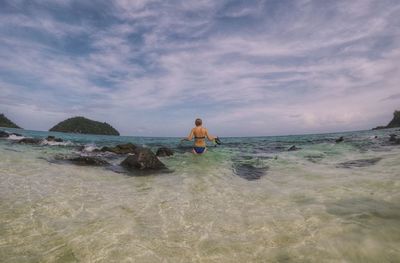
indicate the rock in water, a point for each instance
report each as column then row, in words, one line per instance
column 293, row 148
column 164, row 151
column 340, row 139
column 393, row 138
column 53, row 139
column 121, row 148
column 144, row 159
column 30, row 141
column 3, row 134
column 84, row 125
column 88, row 160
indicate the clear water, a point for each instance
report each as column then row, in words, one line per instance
column 305, row 206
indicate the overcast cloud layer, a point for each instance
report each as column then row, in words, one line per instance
column 252, row 67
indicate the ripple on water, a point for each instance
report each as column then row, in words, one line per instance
column 359, row 163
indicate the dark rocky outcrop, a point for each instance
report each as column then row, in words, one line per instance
column 5, row 122
column 144, row 159
column 359, row 163
column 53, row 139
column 88, row 160
column 30, row 141
column 4, row 134
column 293, row 148
column 248, row 171
column 84, row 125
column 393, row 138
column 164, row 151
column 395, row 122
column 121, row 148
column 340, row 139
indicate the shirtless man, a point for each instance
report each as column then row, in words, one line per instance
column 200, row 134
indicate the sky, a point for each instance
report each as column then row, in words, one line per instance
column 247, row 68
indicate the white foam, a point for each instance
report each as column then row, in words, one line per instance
column 15, row 137
column 90, row 148
column 53, row 143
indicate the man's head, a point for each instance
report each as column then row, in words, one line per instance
column 198, row 122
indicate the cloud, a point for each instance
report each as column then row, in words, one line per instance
column 248, row 67
column 395, row 96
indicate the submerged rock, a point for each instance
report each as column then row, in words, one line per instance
column 121, row 148
column 359, row 163
column 144, row 159
column 30, row 141
column 3, row 134
column 164, row 151
column 88, row 160
column 314, row 158
column 340, row 139
column 294, row 148
column 248, row 171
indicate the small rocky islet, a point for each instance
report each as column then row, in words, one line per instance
column 394, row 123
column 7, row 123
column 84, row 125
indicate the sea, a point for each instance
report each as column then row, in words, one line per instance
column 246, row 200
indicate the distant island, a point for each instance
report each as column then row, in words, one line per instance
column 85, row 126
column 395, row 122
column 5, row 122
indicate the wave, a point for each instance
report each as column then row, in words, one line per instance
column 90, row 148
column 14, row 137
column 53, row 143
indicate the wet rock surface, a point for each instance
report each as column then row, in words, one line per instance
column 359, row 163
column 121, row 148
column 164, row 151
column 87, row 160
column 143, row 159
column 30, row 141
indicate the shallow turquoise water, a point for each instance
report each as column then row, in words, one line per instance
column 306, row 206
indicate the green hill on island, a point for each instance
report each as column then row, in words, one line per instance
column 395, row 122
column 84, row 125
column 5, row 122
